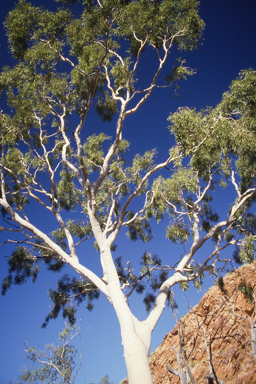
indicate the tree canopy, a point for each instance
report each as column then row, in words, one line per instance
column 76, row 60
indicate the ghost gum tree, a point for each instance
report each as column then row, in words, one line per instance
column 69, row 64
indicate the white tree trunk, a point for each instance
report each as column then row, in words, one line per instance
column 136, row 338
column 136, row 359
column 136, row 335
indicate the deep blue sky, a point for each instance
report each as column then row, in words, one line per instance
column 229, row 45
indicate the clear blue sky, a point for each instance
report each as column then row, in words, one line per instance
column 229, row 46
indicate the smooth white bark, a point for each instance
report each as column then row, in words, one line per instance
column 136, row 359
column 136, row 336
column 136, row 339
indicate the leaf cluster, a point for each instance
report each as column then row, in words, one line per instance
column 70, row 291
column 67, row 194
column 149, row 280
column 229, row 129
column 246, row 252
column 161, row 19
column 23, row 266
column 247, row 290
column 138, row 228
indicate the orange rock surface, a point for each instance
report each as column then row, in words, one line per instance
column 227, row 334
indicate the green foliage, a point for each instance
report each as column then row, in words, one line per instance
column 208, row 216
column 7, row 136
column 38, row 85
column 245, row 253
column 70, row 291
column 106, row 108
column 152, row 18
column 141, row 165
column 184, row 285
column 94, row 151
column 66, row 191
column 138, row 229
column 53, row 262
column 149, row 280
column 198, row 282
column 79, row 228
column 179, row 72
column 221, row 284
column 68, row 62
column 14, row 161
column 57, row 364
column 247, row 290
column 23, row 265
column 32, row 21
column 149, row 300
column 178, row 188
column 230, row 147
column 230, row 127
column 104, row 380
column 177, row 232
column 148, row 261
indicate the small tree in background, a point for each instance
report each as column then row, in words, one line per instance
column 105, row 380
column 66, row 65
column 58, row 364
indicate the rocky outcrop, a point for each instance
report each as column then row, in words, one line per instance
column 218, row 327
column 219, row 324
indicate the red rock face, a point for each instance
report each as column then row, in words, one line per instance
column 228, row 335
